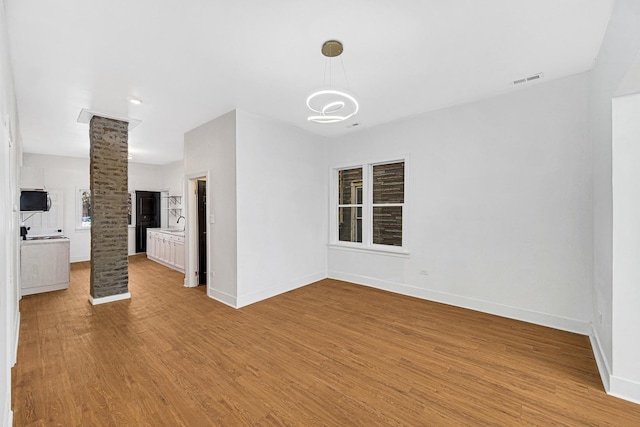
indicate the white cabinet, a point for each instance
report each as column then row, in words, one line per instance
column 166, row 248
column 179, row 254
column 44, row 265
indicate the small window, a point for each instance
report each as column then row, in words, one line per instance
column 84, row 208
column 388, row 201
column 350, row 205
column 130, row 197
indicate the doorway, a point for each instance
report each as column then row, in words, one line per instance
column 147, row 216
column 198, row 212
column 202, row 231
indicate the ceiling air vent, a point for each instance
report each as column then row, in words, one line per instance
column 528, row 79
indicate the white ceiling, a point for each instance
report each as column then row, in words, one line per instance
column 193, row 60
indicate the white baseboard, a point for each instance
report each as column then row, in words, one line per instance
column 601, row 359
column 247, row 299
column 7, row 413
column 16, row 337
column 530, row 316
column 110, row 298
column 625, row 389
column 613, row 385
column 222, row 297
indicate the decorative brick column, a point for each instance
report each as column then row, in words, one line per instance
column 109, row 207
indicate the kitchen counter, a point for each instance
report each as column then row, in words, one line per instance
column 170, row 231
column 43, row 238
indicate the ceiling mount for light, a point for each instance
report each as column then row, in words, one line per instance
column 86, row 115
column 329, row 104
column 332, row 48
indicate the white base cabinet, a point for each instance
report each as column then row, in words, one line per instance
column 44, row 265
column 166, row 248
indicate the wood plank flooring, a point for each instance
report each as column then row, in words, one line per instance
column 331, row 353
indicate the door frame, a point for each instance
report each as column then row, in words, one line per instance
column 191, row 228
column 201, row 204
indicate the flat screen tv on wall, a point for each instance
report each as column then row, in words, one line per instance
column 34, row 201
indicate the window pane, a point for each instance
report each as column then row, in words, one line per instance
column 387, row 225
column 350, row 186
column 129, row 207
column 350, row 224
column 85, row 219
column 388, row 183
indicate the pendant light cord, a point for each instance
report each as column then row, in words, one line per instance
column 344, row 73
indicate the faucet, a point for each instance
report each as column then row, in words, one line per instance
column 179, row 218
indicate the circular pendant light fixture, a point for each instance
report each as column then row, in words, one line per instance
column 331, row 105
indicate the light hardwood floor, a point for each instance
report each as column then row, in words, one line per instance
column 331, row 353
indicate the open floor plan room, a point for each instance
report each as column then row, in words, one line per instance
column 331, row 353
column 337, row 213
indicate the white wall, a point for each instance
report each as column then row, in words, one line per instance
column 625, row 379
column 618, row 53
column 498, row 205
column 146, row 177
column 210, row 150
column 281, row 203
column 70, row 174
column 631, row 81
column 173, row 183
column 9, row 232
column 173, row 177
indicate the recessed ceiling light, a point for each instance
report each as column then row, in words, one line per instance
column 135, row 101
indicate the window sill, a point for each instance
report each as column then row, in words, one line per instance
column 402, row 253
